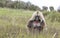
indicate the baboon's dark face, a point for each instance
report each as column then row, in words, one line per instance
column 37, row 18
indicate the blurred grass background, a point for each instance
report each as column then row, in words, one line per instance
column 13, row 23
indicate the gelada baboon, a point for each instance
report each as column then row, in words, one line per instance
column 37, row 21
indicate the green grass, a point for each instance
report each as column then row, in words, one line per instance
column 13, row 24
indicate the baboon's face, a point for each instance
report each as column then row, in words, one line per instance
column 37, row 21
column 37, row 18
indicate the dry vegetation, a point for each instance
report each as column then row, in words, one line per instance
column 13, row 24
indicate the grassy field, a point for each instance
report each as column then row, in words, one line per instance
column 13, row 24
